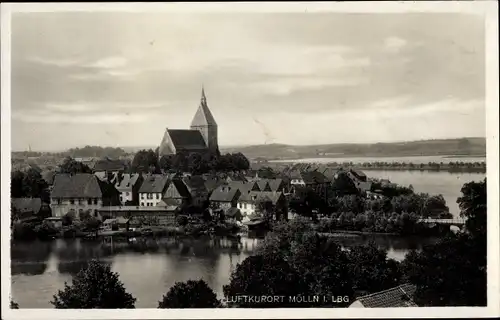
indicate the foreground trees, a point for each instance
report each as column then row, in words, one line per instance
column 94, row 287
column 190, row 294
column 295, row 260
column 453, row 272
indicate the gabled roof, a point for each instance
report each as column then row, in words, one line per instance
column 127, row 181
column 260, row 196
column 232, row 212
column 181, row 188
column 224, row 193
column 401, row 296
column 203, row 116
column 155, row 183
column 213, row 182
column 80, row 185
column 26, row 205
column 314, row 177
column 244, row 187
column 195, row 183
column 184, row 139
column 264, row 185
column 274, row 183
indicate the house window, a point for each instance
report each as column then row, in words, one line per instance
column 245, row 205
column 142, row 204
column 95, row 201
column 58, row 201
column 127, row 193
column 142, row 195
column 89, row 201
column 71, row 201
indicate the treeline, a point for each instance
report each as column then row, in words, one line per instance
column 296, row 260
column 96, row 151
column 195, row 163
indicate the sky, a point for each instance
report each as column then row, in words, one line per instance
column 120, row 79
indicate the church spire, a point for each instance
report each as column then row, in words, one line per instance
column 203, row 116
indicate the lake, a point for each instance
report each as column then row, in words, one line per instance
column 432, row 182
column 39, row 269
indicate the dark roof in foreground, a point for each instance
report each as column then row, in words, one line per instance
column 80, row 185
column 401, row 296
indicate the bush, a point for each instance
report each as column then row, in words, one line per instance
column 94, row 287
column 190, row 294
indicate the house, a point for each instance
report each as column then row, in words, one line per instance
column 103, row 167
column 128, row 185
column 359, row 180
column 312, row 179
column 119, row 223
column 153, row 189
column 81, row 192
column 225, row 197
column 248, row 202
column 400, row 296
column 264, row 185
column 177, row 194
column 197, row 190
column 26, row 208
column 233, row 215
column 212, row 182
column 236, row 177
column 55, row 222
column 276, row 185
column 244, row 186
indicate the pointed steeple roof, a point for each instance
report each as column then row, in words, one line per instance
column 203, row 116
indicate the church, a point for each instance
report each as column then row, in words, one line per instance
column 201, row 138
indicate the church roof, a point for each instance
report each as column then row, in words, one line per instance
column 187, row 139
column 203, row 116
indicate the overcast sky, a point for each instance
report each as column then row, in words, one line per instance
column 119, row 79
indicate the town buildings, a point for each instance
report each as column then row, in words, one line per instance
column 128, row 184
column 81, row 192
column 153, row 189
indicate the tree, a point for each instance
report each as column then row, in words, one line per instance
column 145, row 161
column 263, row 275
column 190, row 294
column 16, row 184
column 94, row 287
column 343, row 185
column 71, row 166
column 182, row 220
column 68, row 218
column 473, row 207
column 453, row 257
column 371, row 270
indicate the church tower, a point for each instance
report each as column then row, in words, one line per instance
column 204, row 122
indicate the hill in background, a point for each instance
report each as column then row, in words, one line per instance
column 441, row 147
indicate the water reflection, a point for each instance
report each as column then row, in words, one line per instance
column 30, row 258
column 148, row 268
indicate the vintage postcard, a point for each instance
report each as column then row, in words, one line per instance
column 250, row 160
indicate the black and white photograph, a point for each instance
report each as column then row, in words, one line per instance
column 175, row 157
